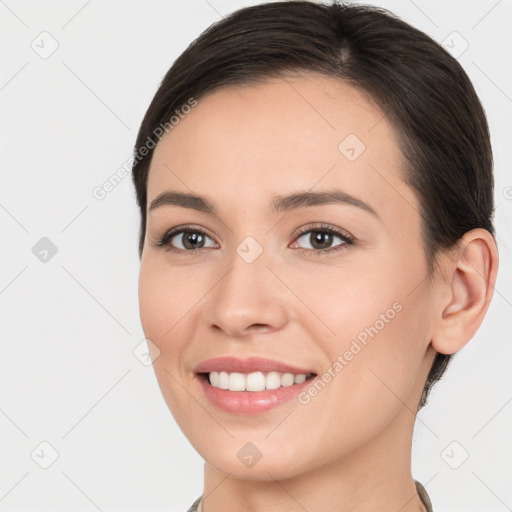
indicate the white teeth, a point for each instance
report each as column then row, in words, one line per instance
column 223, row 380
column 236, row 382
column 273, row 380
column 256, row 381
column 287, row 380
column 299, row 378
column 214, row 379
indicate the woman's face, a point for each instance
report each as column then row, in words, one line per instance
column 263, row 276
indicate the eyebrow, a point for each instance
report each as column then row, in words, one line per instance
column 279, row 203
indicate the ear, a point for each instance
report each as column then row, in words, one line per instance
column 469, row 276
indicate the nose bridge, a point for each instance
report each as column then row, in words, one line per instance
column 247, row 296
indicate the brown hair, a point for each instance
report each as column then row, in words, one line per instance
column 423, row 91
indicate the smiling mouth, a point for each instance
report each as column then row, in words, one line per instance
column 255, row 381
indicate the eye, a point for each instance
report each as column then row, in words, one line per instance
column 185, row 239
column 190, row 239
column 319, row 239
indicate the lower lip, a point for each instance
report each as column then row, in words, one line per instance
column 250, row 402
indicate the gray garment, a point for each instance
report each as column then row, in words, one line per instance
column 196, row 506
column 422, row 492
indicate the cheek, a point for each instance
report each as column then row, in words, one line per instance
column 154, row 304
column 166, row 301
column 379, row 323
column 163, row 308
column 383, row 352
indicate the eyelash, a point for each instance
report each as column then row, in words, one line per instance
column 322, row 228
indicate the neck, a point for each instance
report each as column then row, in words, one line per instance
column 371, row 478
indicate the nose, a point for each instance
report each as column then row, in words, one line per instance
column 248, row 299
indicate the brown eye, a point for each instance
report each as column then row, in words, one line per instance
column 185, row 240
column 321, row 239
column 190, row 240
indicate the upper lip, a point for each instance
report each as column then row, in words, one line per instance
column 252, row 364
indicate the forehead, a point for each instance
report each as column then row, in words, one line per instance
column 243, row 144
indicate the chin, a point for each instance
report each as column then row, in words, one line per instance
column 264, row 471
column 260, row 461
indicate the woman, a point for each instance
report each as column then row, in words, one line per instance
column 316, row 195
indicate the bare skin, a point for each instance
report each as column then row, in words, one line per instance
column 349, row 447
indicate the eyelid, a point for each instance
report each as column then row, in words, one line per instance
column 344, row 235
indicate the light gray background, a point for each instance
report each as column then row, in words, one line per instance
column 69, row 325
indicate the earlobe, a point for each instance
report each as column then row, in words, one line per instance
column 470, row 276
